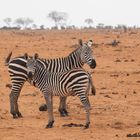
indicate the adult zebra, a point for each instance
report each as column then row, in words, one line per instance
column 18, row 72
column 72, row 82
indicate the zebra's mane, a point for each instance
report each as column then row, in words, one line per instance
column 42, row 62
column 76, row 50
column 47, row 60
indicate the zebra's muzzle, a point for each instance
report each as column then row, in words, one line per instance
column 30, row 75
column 93, row 64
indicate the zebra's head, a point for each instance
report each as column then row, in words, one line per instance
column 32, row 64
column 87, row 53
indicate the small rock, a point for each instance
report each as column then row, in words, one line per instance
column 114, row 75
column 73, row 125
column 138, row 123
column 133, row 135
column 107, row 96
column 118, row 60
column 132, row 60
column 9, row 85
column 127, row 74
column 43, row 107
column 134, row 92
column 114, row 92
column 126, row 60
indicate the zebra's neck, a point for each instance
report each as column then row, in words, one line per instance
column 40, row 74
column 73, row 60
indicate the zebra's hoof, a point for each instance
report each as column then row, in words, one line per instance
column 19, row 115
column 63, row 113
column 87, row 125
column 66, row 112
column 15, row 116
column 50, row 124
column 43, row 107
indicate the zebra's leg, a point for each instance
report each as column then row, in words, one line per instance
column 62, row 107
column 15, row 92
column 16, row 106
column 87, row 108
column 85, row 101
column 12, row 106
column 49, row 102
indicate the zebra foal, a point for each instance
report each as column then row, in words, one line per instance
column 73, row 82
column 18, row 72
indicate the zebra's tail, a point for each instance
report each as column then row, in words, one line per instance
column 8, row 59
column 93, row 90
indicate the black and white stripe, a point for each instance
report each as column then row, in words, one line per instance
column 72, row 82
column 18, row 72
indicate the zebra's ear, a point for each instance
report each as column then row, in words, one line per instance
column 36, row 56
column 80, row 42
column 26, row 56
column 90, row 43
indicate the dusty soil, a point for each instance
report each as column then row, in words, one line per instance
column 115, row 108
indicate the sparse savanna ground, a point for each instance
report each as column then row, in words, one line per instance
column 115, row 108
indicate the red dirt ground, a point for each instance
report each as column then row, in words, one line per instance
column 116, row 106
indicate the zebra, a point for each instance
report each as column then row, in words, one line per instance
column 72, row 82
column 18, row 72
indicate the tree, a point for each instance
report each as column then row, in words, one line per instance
column 19, row 22
column 108, row 27
column 23, row 22
column 59, row 18
column 8, row 21
column 100, row 26
column 27, row 22
column 42, row 27
column 34, row 26
column 122, row 27
column 89, row 21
